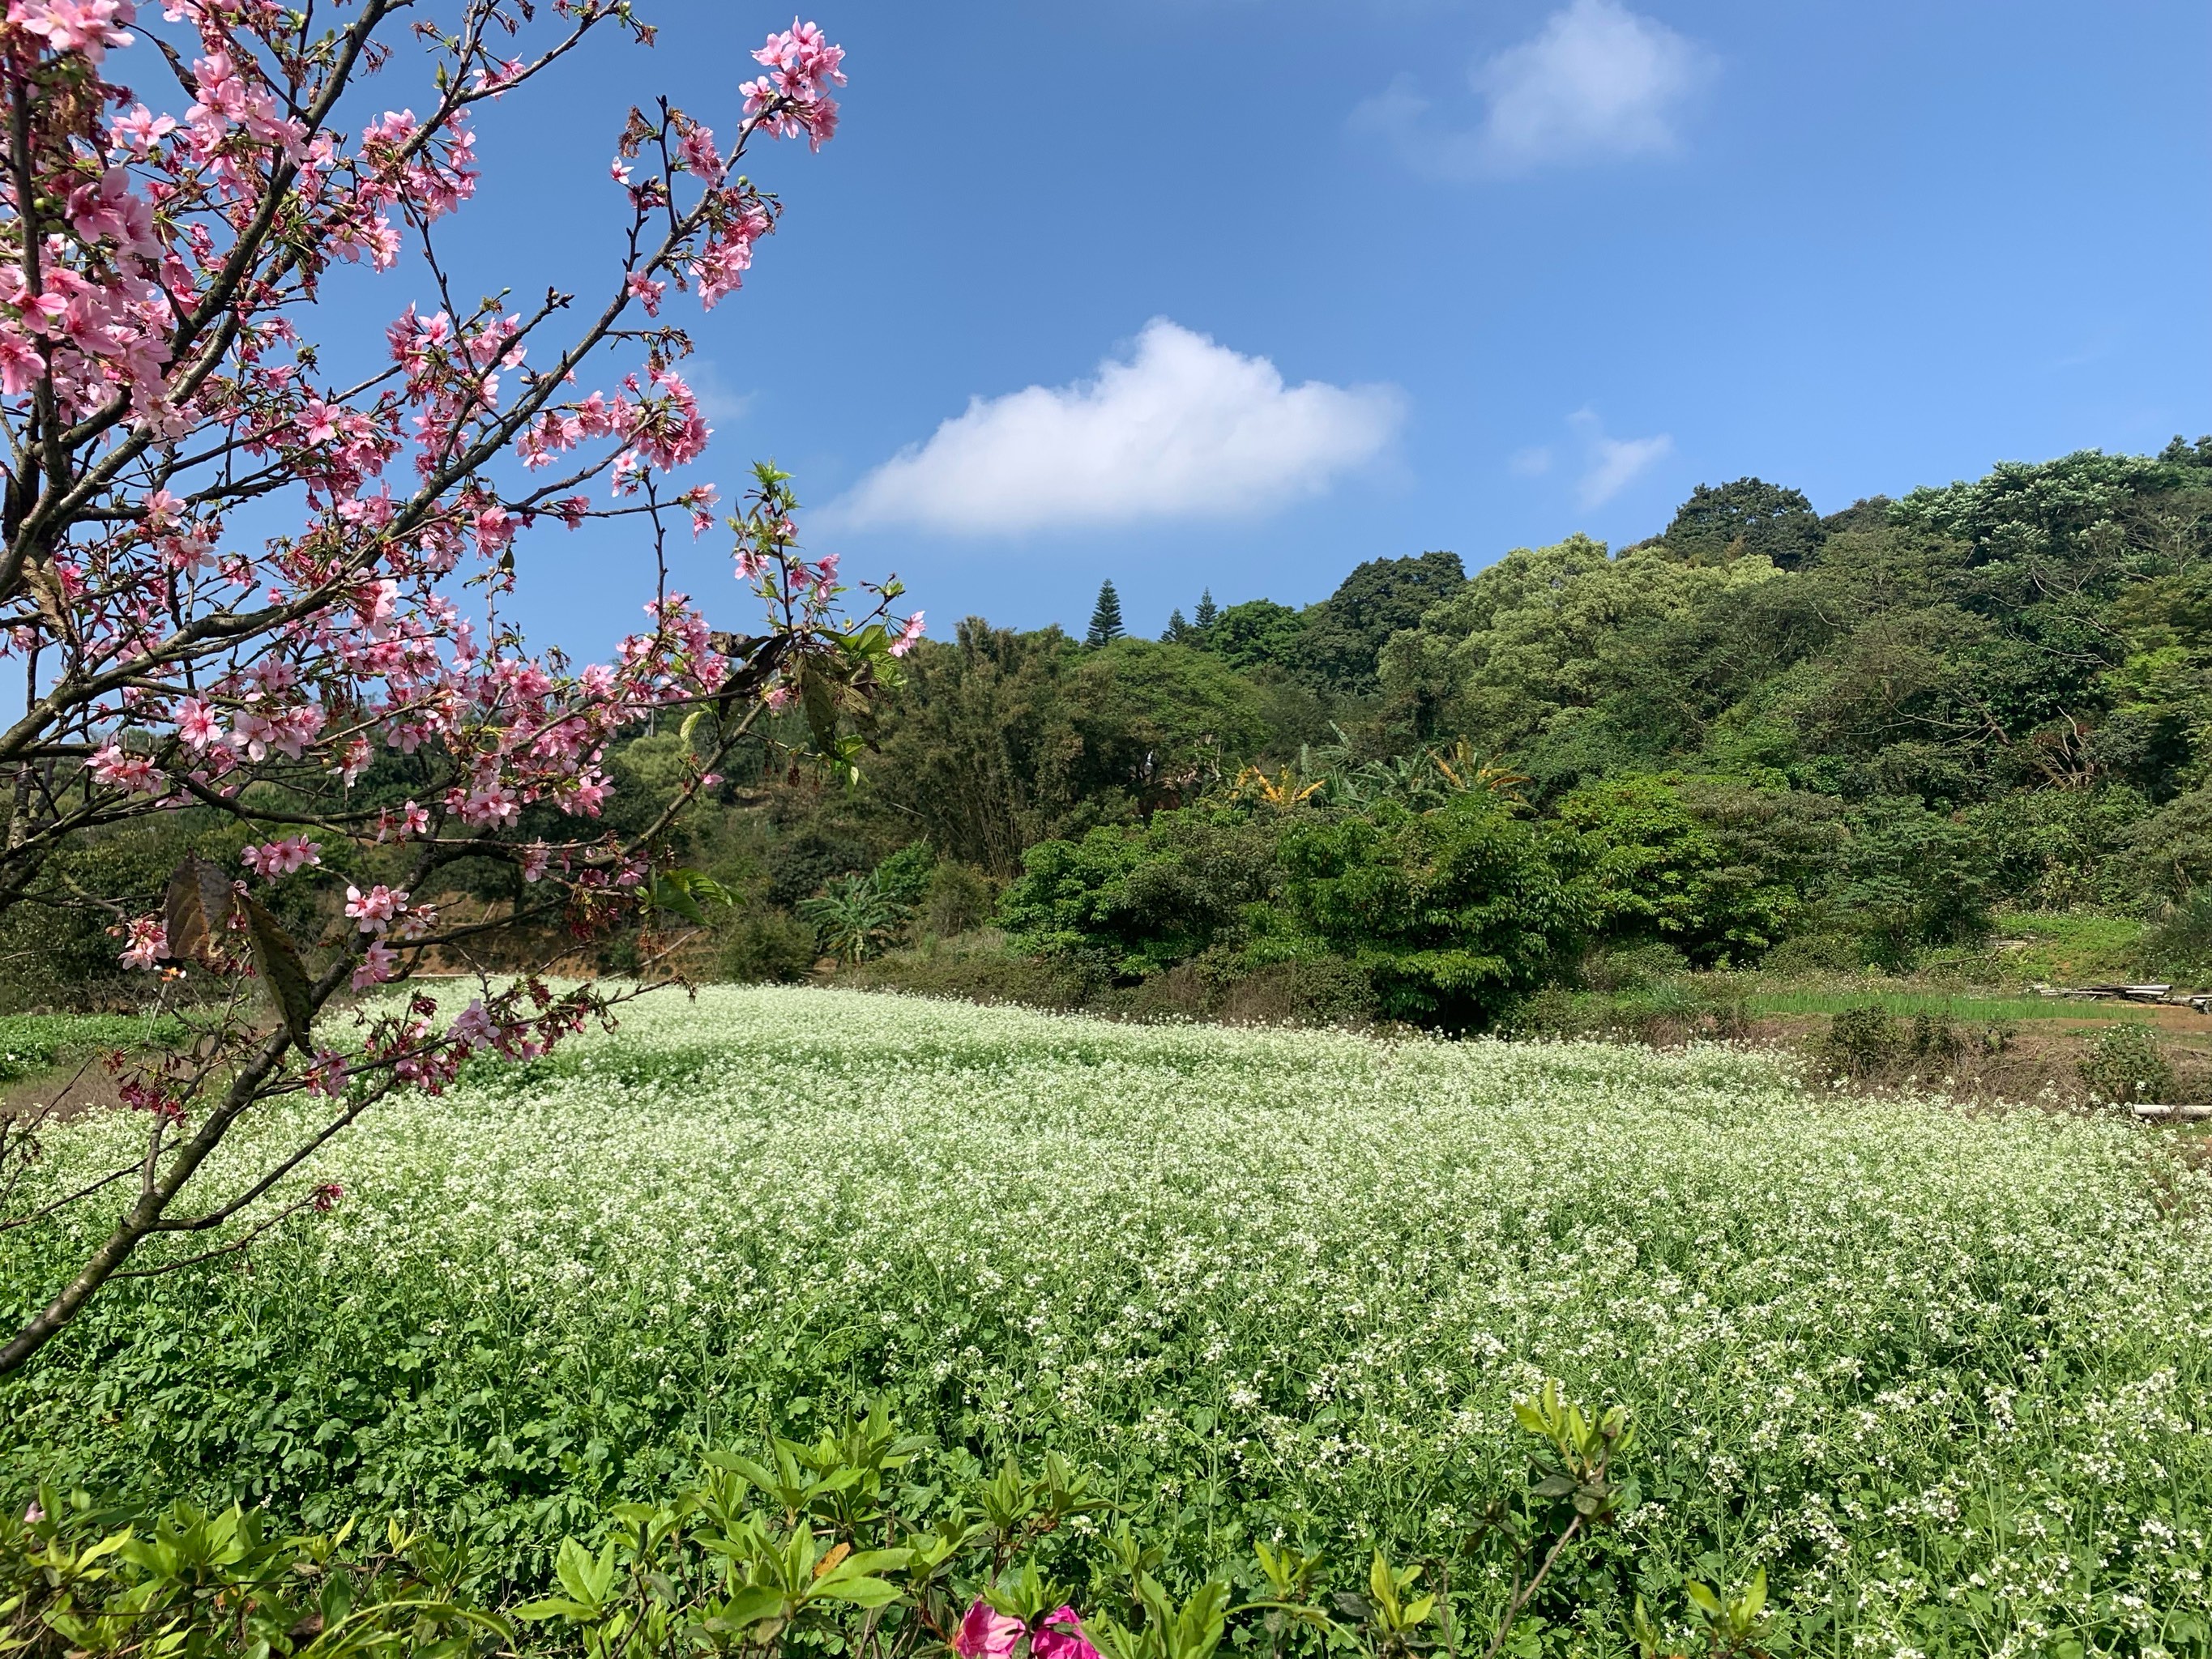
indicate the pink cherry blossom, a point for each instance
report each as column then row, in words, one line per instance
column 149, row 943
column 374, row 910
column 378, row 963
column 283, row 858
column 258, row 574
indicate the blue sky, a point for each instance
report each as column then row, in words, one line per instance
column 1250, row 290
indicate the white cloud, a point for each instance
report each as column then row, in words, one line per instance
column 1613, row 463
column 1184, row 428
column 1532, row 463
column 717, row 400
column 1597, row 81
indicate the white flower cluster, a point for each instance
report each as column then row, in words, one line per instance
column 1927, row 1365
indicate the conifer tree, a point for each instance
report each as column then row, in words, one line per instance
column 1178, row 631
column 1105, row 616
column 1207, row 610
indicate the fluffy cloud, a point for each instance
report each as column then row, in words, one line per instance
column 1596, row 81
column 1613, row 464
column 1185, row 428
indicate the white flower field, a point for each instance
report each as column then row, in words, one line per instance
column 1943, row 1374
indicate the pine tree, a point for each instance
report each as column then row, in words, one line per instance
column 1178, row 630
column 1207, row 610
column 1105, row 616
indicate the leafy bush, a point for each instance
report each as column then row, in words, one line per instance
column 855, row 916
column 1128, row 902
column 2181, row 944
column 1454, row 913
column 2061, row 849
column 1716, row 869
column 1860, row 1042
column 2126, row 1063
column 904, row 877
column 1660, row 1011
column 1910, row 879
column 2172, row 849
column 1809, row 955
column 959, row 898
column 794, row 1547
column 763, row 945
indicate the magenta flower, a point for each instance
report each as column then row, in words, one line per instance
column 1061, row 1637
column 987, row 1633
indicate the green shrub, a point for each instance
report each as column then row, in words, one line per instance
column 761, row 945
column 1630, row 967
column 1454, row 913
column 2125, row 1063
column 976, row 967
column 2058, row 850
column 2181, row 945
column 1716, row 869
column 1129, row 902
column 2172, row 849
column 1812, row 955
column 904, row 877
column 1860, row 1042
column 1910, row 878
column 959, row 898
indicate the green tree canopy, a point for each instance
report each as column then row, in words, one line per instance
column 1105, row 617
column 1725, row 521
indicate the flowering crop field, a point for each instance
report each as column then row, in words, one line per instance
column 1943, row 1375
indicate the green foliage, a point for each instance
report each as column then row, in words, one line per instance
column 1000, row 741
column 1343, row 638
column 1908, row 879
column 1257, row 633
column 2181, row 945
column 2046, row 626
column 905, row 876
column 1126, row 902
column 1863, row 1041
column 855, row 917
column 81, row 1578
column 796, row 1546
column 1717, row 525
column 760, row 944
column 34, row 1044
column 959, row 898
column 1105, row 617
column 1452, row 912
column 1718, row 870
column 2127, row 1063
column 2171, row 850
column 2059, row 849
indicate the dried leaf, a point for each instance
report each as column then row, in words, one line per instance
column 197, row 909
column 278, row 962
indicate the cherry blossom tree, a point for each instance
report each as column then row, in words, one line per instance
column 250, row 559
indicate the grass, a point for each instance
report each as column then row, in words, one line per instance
column 1942, row 1375
column 31, row 1044
column 2066, row 947
column 1958, row 1007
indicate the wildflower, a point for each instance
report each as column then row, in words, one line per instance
column 987, row 1633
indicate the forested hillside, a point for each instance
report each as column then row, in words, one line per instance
column 1862, row 734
